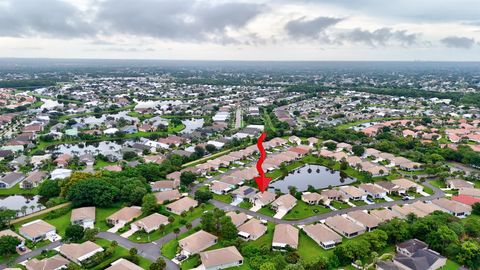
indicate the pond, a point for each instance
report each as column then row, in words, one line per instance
column 104, row 147
column 192, row 124
column 16, row 202
column 93, row 120
column 319, row 177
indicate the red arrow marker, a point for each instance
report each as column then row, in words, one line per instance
column 261, row 180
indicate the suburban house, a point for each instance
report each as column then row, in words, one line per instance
column 407, row 185
column 33, row 179
column 285, row 235
column 428, row 208
column 237, row 219
column 324, row 236
column 353, row 193
column 182, row 205
column 473, row 192
column 458, row 184
column 263, row 198
column 164, row 185
column 150, row 223
column 53, row 263
column 243, row 193
column 389, row 187
column 167, row 196
column 197, row 242
column 37, row 230
column 406, row 209
column 14, row 234
column 465, row 199
column 362, row 218
column 312, row 198
column 384, row 214
column 124, row 215
column 78, row 253
column 332, row 194
column 84, row 216
column 123, row 264
column 284, row 203
column 252, row 229
column 11, row 179
column 411, row 246
column 453, row 207
column 221, row 258
column 373, row 191
column 344, row 226
column 220, row 188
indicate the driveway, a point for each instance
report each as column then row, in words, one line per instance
column 34, row 253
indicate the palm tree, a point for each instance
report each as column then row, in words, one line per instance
column 176, row 231
column 39, row 206
column 32, row 207
column 24, row 210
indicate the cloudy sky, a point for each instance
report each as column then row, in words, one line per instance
column 242, row 29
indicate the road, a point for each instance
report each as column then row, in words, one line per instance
column 227, row 207
column 33, row 253
column 238, row 118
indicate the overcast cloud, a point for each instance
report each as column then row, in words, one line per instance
column 240, row 29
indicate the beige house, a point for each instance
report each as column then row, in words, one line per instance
column 353, row 193
column 312, row 198
column 221, row 258
column 182, row 205
column 362, row 218
column 237, row 219
column 344, row 226
column 384, row 214
column 84, row 216
column 167, row 196
column 37, row 230
column 124, row 215
column 150, row 223
column 197, row 242
column 284, row 203
column 123, row 264
column 408, row 185
column 79, row 253
column 453, row 207
column 262, row 199
column 252, row 229
column 285, row 235
column 324, row 236
column 53, row 263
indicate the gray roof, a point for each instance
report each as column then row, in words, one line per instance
column 12, row 178
column 420, row 260
column 412, row 245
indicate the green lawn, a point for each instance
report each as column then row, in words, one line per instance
column 359, row 203
column 60, row 223
column 170, row 248
column 118, row 253
column 142, row 237
column 245, row 205
column 191, row 262
column 438, row 183
column 309, row 250
column 450, row 265
column 226, row 198
column 266, row 211
column 303, row 210
column 339, row 205
column 17, row 190
column 265, row 240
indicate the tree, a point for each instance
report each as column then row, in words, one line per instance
column 199, row 151
column 228, row 230
column 92, row 192
column 6, row 215
column 90, row 234
column 268, row 266
column 296, row 266
column 203, row 196
column 8, row 244
column 330, row 145
column 476, row 208
column 377, row 239
column 187, row 178
column 129, row 155
column 159, row 264
column 49, row 189
column 149, row 203
column 133, row 252
column 210, row 148
column 397, row 230
column 208, row 222
column 176, row 231
column 358, row 150
column 343, row 165
column 439, row 239
column 74, row 233
column 472, row 227
column 351, row 251
column 469, row 254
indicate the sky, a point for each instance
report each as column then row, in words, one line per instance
column 377, row 30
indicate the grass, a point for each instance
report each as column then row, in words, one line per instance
column 142, row 237
column 119, row 252
column 359, row 203
column 265, row 240
column 226, row 198
column 303, row 210
column 438, row 183
column 309, row 250
column 191, row 262
column 266, row 211
column 245, row 205
column 450, row 265
column 339, row 205
column 16, row 190
column 61, row 223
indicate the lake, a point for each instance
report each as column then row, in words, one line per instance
column 15, row 202
column 319, row 177
column 192, row 124
column 104, row 147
